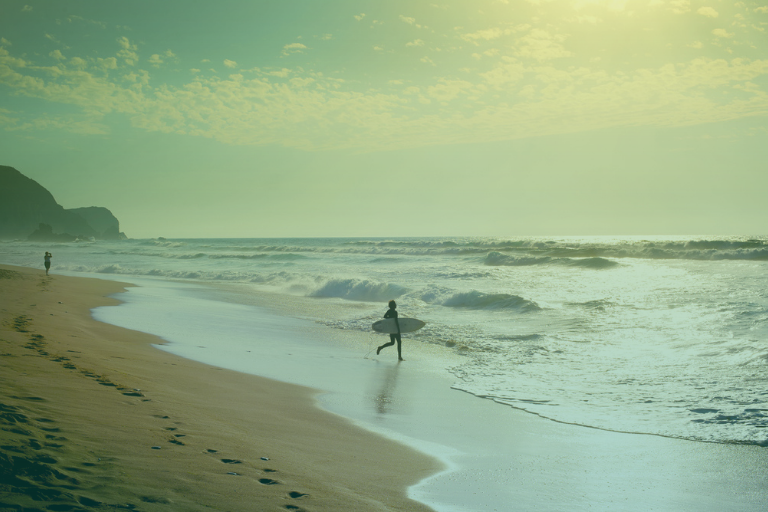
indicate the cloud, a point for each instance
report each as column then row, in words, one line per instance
column 521, row 91
column 283, row 73
column 125, row 43
column 359, row 17
column 293, row 48
column 26, row 8
column 680, row 6
column 541, row 45
column 763, row 9
column 447, row 90
column 52, row 38
column 74, row 18
column 4, row 41
column 56, row 54
column 486, row 34
column 230, row 63
column 709, row 12
column 156, row 59
column 128, row 51
column 417, row 42
column 410, row 21
column 722, row 33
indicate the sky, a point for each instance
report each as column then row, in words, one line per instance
column 287, row 118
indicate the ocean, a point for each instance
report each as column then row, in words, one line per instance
column 652, row 335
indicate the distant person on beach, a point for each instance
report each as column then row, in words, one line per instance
column 392, row 313
column 48, row 257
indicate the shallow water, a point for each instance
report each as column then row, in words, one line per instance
column 666, row 336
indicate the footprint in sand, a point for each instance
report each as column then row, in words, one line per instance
column 268, row 481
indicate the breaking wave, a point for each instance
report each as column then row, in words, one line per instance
column 480, row 300
column 360, row 290
column 497, row 259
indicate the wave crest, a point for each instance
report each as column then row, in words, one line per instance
column 497, row 259
column 360, row 290
column 480, row 300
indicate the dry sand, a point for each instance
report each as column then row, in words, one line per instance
column 93, row 417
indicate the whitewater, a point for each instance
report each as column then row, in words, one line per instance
column 653, row 335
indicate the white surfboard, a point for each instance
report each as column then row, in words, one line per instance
column 388, row 325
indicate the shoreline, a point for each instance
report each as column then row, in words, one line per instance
column 94, row 416
column 495, row 457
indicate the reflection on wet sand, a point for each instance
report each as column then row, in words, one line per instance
column 385, row 400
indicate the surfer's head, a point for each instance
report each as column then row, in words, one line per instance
column 392, row 304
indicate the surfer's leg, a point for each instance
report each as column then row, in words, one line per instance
column 399, row 344
column 391, row 342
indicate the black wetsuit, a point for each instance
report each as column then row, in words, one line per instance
column 392, row 313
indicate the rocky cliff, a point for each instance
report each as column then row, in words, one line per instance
column 26, row 207
column 100, row 219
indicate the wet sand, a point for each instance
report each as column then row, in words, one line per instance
column 93, row 417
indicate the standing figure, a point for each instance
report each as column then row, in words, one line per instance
column 48, row 257
column 392, row 313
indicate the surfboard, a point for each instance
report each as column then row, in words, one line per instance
column 388, row 325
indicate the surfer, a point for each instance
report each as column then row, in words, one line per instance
column 392, row 313
column 47, row 262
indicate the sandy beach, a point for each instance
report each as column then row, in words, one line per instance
column 94, row 417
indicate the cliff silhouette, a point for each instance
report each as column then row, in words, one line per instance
column 28, row 210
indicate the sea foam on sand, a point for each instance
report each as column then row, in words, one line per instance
column 496, row 457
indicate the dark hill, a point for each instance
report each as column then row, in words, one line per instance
column 25, row 205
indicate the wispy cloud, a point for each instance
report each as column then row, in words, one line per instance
column 293, row 48
column 709, row 12
column 128, row 51
column 512, row 81
column 722, row 33
column 485, row 34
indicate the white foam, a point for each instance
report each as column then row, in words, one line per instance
column 496, row 457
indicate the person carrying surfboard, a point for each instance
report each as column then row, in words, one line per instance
column 392, row 313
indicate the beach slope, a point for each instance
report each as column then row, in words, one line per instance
column 92, row 417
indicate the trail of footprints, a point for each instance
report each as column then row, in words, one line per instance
column 37, row 343
column 264, row 481
column 30, row 466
